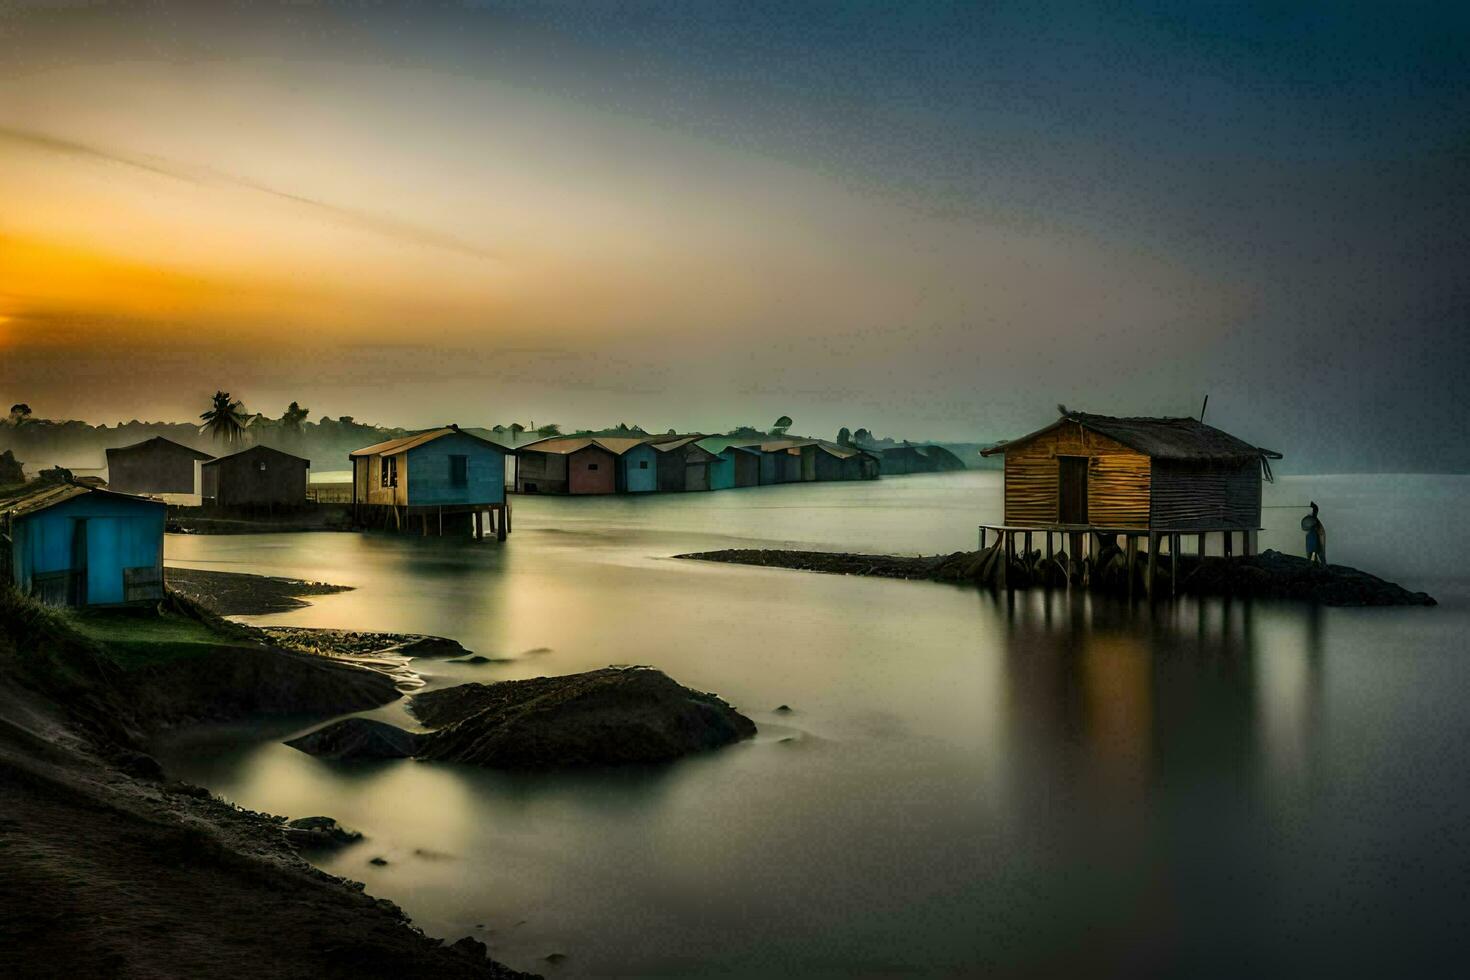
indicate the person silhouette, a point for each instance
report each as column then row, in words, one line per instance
column 1316, row 536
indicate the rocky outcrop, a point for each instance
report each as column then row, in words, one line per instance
column 1273, row 575
column 319, row 832
column 613, row 716
column 358, row 738
column 232, row 682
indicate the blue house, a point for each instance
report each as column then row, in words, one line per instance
column 638, row 468
column 417, row 481
column 72, row 545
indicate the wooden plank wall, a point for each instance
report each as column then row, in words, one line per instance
column 1118, row 479
column 1206, row 495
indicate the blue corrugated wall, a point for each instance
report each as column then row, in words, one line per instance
column 636, row 479
column 428, row 472
column 120, row 533
column 722, row 471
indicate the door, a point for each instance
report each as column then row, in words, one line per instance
column 104, row 562
column 1072, row 489
column 76, row 586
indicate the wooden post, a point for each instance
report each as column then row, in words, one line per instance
column 1005, row 568
column 1028, row 546
column 1153, row 562
column 475, row 526
column 1173, row 565
column 1228, row 544
column 505, row 513
column 1247, row 543
column 1074, row 545
column 441, row 522
column 502, row 526
column 1201, row 545
column 1132, row 546
column 983, row 532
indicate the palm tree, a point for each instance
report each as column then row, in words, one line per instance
column 225, row 419
column 782, row 424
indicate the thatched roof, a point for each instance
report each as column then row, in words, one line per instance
column 1160, row 438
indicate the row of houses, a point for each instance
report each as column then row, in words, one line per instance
column 675, row 463
column 1082, row 477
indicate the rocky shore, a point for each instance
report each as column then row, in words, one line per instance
column 1268, row 575
column 607, row 717
column 109, row 870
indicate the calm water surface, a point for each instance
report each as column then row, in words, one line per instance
column 967, row 783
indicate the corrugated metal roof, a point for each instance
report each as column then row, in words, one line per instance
column 1159, row 438
column 395, row 446
column 59, row 493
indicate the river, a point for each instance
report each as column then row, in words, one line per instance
column 966, row 783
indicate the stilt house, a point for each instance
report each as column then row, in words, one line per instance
column 428, row 477
column 1107, row 474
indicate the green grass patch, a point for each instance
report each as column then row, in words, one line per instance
column 136, row 639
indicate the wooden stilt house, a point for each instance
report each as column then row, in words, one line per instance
column 1156, row 478
column 425, row 482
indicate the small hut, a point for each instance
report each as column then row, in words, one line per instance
column 256, row 477
column 683, row 464
column 73, row 545
column 737, row 466
column 156, row 465
column 430, row 477
column 1158, row 478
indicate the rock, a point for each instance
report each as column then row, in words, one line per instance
column 612, row 716
column 471, row 947
column 379, row 862
column 555, row 958
column 784, row 709
column 477, row 659
column 319, row 832
column 429, row 646
column 1273, row 575
column 357, row 738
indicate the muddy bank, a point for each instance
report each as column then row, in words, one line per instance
column 1267, row 575
column 613, row 716
column 110, row 871
column 240, row 594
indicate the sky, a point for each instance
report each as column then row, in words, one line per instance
column 931, row 220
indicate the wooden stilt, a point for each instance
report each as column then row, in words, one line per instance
column 1173, row 564
column 983, row 534
column 1132, row 547
column 1247, row 543
column 1201, row 545
column 1228, row 543
column 475, row 526
column 441, row 522
column 1028, row 546
column 1009, row 549
column 505, row 512
column 1153, row 563
column 502, row 526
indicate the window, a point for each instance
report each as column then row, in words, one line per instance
column 390, row 471
column 643, row 464
column 459, row 471
column 591, row 466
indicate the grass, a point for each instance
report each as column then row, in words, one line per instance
column 136, row 639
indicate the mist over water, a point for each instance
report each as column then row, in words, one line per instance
column 968, row 782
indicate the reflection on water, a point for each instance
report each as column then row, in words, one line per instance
column 1029, row 783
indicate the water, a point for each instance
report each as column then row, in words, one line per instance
column 968, row 783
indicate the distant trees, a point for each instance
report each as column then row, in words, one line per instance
column 225, row 420
column 862, row 437
column 782, row 424
column 516, row 428
column 19, row 414
column 549, row 429
column 844, row 437
column 293, row 418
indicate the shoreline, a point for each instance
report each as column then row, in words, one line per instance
column 1269, row 575
column 106, row 859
